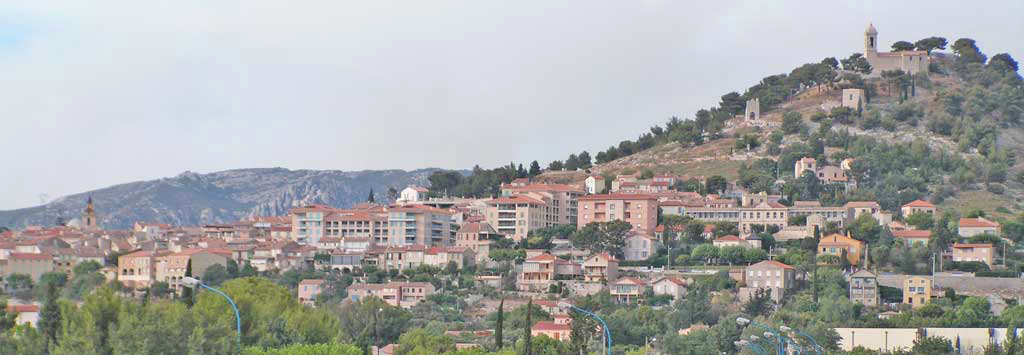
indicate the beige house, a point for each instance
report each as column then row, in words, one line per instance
column 398, row 294
column 551, row 330
column 913, row 236
column 640, row 247
column 970, row 227
column 769, row 274
column 441, row 257
column 917, row 206
column 600, row 267
column 670, row 286
column 864, row 288
column 171, row 268
column 309, row 289
column 974, row 252
column 138, row 269
column 541, row 271
column 854, row 99
column 917, row 291
column 478, row 237
column 627, row 290
column 639, row 210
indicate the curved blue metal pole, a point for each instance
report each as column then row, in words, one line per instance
column 817, row 348
column 757, row 348
column 238, row 317
column 607, row 331
column 774, row 332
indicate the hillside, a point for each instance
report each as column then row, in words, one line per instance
column 225, row 196
column 964, row 112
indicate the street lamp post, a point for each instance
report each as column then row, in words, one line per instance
column 814, row 343
column 769, row 333
column 604, row 326
column 194, row 283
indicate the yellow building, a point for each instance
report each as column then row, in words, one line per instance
column 917, row 291
column 841, row 245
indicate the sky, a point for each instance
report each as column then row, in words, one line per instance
column 97, row 93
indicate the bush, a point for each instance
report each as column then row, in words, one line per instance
column 1007, row 274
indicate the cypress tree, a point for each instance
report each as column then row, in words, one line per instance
column 499, row 324
column 529, row 323
column 49, row 316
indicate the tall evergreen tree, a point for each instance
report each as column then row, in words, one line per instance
column 370, row 198
column 499, row 325
column 534, row 168
column 527, row 336
column 187, row 294
column 49, row 316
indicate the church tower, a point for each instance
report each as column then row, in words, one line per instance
column 871, row 41
column 89, row 215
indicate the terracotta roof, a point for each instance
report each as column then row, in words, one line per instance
column 912, row 233
column 34, row 256
column 807, row 204
column 958, row 245
column 618, row 197
column 311, row 282
column 542, row 257
column 545, row 187
column 22, row 308
column 728, row 238
column 977, row 222
column 772, row 263
column 855, row 204
column 673, row 280
column 807, row 159
column 919, row 203
column 630, row 280
column 604, row 256
column 515, row 199
column 550, row 326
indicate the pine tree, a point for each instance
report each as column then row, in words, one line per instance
column 49, row 316
column 814, row 262
column 370, row 198
column 187, row 292
column 534, row 168
column 498, row 325
column 527, row 337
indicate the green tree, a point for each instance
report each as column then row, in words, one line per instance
column 527, row 333
column 932, row 345
column 1004, row 62
column 716, row 184
column 215, row 275
column 159, row 328
column 499, row 326
column 929, row 44
column 421, row 341
column 602, row 237
column 306, row 349
column 899, row 46
column 792, row 122
column 50, row 315
column 19, row 281
column 534, row 168
column 857, row 63
column 371, row 321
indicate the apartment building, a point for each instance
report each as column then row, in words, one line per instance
column 420, row 225
column 864, row 288
column 395, row 225
column 515, row 216
column 639, row 210
column 563, row 199
column 478, row 237
column 32, row 264
column 398, row 294
column 970, row 227
column 985, row 253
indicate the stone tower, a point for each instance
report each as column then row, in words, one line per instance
column 870, row 41
column 89, row 215
column 753, row 111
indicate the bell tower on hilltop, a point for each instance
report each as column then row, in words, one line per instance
column 89, row 215
column 870, row 41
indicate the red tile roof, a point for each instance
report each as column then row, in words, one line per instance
column 728, row 238
column 515, row 199
column 35, row 256
column 958, row 246
column 977, row 222
column 919, row 203
column 542, row 257
column 773, row 263
column 550, row 326
column 912, row 233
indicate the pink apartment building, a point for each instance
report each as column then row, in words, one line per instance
column 639, row 210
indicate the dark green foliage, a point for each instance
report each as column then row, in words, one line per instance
column 902, row 46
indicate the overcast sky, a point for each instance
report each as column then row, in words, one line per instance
column 95, row 93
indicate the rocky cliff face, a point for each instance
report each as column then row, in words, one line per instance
column 220, row 197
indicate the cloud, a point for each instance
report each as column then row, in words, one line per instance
column 102, row 93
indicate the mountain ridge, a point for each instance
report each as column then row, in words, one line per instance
column 191, row 198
